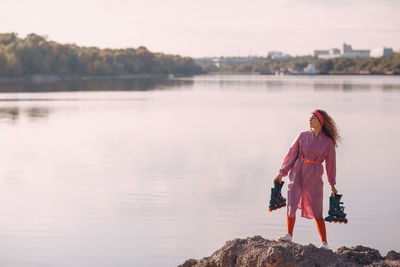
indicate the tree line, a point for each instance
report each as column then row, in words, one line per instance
column 34, row 54
column 382, row 65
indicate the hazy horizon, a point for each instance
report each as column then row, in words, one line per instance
column 209, row 28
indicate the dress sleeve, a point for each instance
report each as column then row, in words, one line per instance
column 291, row 157
column 330, row 164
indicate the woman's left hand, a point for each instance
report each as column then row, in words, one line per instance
column 333, row 188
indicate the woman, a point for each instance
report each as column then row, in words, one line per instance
column 304, row 161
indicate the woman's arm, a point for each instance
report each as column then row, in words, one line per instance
column 278, row 178
column 330, row 165
column 289, row 160
column 334, row 190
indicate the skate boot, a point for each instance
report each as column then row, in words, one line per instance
column 335, row 212
column 277, row 201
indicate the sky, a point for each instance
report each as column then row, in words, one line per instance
column 209, row 27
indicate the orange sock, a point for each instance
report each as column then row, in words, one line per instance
column 290, row 224
column 321, row 228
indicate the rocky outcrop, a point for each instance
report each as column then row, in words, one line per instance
column 259, row 252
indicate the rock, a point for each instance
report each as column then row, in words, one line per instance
column 273, row 256
column 393, row 255
column 361, row 255
column 189, row 263
column 259, row 252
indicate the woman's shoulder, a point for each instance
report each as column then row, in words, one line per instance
column 302, row 135
column 305, row 133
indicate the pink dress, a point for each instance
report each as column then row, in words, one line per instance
column 305, row 187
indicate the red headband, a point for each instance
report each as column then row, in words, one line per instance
column 319, row 116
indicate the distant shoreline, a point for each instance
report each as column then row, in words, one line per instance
column 39, row 78
column 338, row 74
column 385, row 65
column 55, row 78
column 322, row 74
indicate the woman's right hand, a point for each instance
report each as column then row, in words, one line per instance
column 278, row 179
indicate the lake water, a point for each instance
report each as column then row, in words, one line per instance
column 154, row 172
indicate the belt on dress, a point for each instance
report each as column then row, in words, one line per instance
column 307, row 161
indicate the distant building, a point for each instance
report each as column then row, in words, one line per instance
column 317, row 53
column 217, row 62
column 348, row 52
column 381, row 51
column 347, row 48
column 357, row 54
column 334, row 51
column 221, row 61
column 275, row 54
column 310, row 70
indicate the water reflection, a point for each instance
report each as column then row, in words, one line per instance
column 37, row 112
column 231, row 82
column 12, row 114
column 346, row 84
column 316, row 83
column 349, row 86
column 254, row 81
column 9, row 113
column 131, row 84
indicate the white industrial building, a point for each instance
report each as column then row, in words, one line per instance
column 381, row 51
column 349, row 52
column 331, row 53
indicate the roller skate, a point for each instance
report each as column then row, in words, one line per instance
column 277, row 201
column 335, row 212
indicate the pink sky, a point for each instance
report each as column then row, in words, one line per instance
column 209, row 27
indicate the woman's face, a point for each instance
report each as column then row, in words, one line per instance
column 314, row 122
